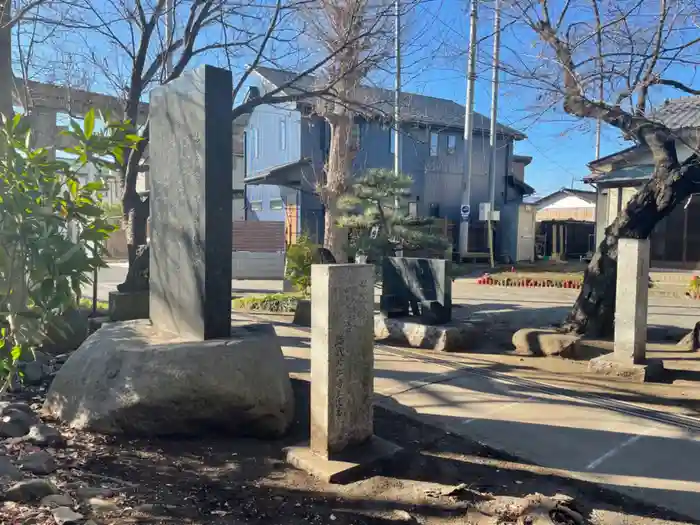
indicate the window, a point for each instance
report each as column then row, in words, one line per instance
column 256, row 145
column 276, row 204
column 283, row 134
column 255, row 205
column 451, row 144
column 433, row 144
column 392, row 144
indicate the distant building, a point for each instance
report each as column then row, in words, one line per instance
column 287, row 145
column 566, row 223
column 675, row 241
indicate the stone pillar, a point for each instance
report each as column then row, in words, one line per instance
column 342, row 356
column 191, row 204
column 632, row 300
column 628, row 361
column 342, row 444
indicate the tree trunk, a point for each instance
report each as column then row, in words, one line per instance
column 6, row 76
column 338, row 169
column 593, row 313
column 134, row 222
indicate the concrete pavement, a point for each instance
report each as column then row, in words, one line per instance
column 640, row 448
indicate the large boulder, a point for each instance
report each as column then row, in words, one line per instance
column 539, row 342
column 128, row 378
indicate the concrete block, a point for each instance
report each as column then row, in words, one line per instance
column 125, row 306
column 353, row 464
column 610, row 365
column 632, row 300
column 409, row 331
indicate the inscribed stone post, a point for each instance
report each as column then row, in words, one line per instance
column 631, row 301
column 342, row 356
column 191, row 204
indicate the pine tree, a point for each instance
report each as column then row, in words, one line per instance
column 378, row 228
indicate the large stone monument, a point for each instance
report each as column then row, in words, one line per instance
column 342, row 443
column 628, row 359
column 416, row 306
column 187, row 370
column 191, row 204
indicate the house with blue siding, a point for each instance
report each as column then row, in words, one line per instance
column 287, row 145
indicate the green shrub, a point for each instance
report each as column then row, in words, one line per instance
column 300, row 257
column 274, row 302
column 42, row 268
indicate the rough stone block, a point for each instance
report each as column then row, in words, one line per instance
column 126, row 306
column 610, row 365
column 191, row 194
column 539, row 342
column 411, row 332
column 129, row 378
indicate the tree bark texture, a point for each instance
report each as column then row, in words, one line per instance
column 134, row 222
column 594, row 310
column 338, row 171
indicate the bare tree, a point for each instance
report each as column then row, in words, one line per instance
column 607, row 61
column 128, row 43
column 366, row 25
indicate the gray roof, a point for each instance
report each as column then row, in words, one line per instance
column 679, row 113
column 628, row 174
column 420, row 109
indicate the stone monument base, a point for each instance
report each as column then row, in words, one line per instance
column 131, row 378
column 351, row 465
column 611, row 366
column 408, row 331
column 302, row 314
column 127, row 306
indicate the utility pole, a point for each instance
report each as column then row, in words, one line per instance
column 468, row 129
column 493, row 131
column 397, row 100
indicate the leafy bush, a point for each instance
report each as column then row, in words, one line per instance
column 300, row 257
column 694, row 287
column 275, row 302
column 42, row 268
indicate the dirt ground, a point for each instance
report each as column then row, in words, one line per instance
column 439, row 478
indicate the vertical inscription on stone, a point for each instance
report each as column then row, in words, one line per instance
column 191, row 191
column 342, row 357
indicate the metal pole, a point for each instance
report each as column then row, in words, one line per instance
column 397, row 100
column 493, row 131
column 169, row 33
column 468, row 128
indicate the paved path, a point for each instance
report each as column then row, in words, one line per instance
column 642, row 448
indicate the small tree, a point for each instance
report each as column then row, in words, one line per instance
column 300, row 256
column 42, row 268
column 379, row 228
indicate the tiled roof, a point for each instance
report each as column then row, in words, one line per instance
column 588, row 196
column 416, row 108
column 679, row 113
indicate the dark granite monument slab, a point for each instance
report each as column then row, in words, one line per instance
column 191, row 204
column 421, row 287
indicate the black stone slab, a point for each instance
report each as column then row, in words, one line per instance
column 419, row 287
column 191, row 166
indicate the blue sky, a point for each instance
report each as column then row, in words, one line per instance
column 434, row 64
